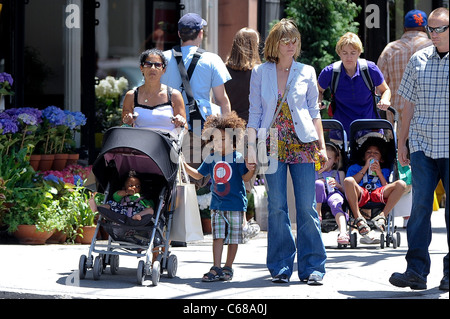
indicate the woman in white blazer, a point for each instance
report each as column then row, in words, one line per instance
column 294, row 142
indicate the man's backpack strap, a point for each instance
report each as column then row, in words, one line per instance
column 194, row 112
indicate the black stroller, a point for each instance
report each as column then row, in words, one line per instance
column 359, row 131
column 154, row 157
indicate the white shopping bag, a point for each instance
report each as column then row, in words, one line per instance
column 186, row 225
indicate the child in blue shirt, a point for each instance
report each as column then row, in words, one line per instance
column 229, row 171
column 362, row 187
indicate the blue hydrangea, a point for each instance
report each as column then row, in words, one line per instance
column 9, row 126
column 54, row 115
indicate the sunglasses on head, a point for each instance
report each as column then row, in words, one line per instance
column 286, row 41
column 157, row 65
column 437, row 29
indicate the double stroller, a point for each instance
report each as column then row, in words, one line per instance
column 154, row 157
column 350, row 154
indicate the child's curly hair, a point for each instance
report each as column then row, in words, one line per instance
column 222, row 122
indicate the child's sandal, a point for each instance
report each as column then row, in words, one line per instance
column 362, row 225
column 227, row 273
column 210, row 277
column 380, row 222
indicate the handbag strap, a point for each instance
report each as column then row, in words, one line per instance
column 277, row 111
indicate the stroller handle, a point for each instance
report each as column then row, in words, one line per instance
column 394, row 112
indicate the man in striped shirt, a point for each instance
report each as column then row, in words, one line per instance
column 392, row 61
column 425, row 84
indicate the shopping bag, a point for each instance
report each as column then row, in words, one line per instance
column 186, row 224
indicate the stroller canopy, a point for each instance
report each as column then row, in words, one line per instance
column 143, row 150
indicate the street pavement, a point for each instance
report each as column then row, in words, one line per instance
column 50, row 272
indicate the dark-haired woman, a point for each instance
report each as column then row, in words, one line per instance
column 153, row 104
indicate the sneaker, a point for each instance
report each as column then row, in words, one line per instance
column 280, row 279
column 407, row 279
column 369, row 239
column 314, row 280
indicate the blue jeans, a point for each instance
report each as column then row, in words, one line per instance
column 281, row 246
column 426, row 173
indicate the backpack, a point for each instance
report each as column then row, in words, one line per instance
column 364, row 69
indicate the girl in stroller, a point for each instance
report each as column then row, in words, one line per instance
column 329, row 189
column 128, row 200
column 369, row 182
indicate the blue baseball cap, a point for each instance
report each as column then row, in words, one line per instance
column 191, row 21
column 415, row 18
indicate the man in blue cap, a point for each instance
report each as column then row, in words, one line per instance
column 392, row 61
column 210, row 73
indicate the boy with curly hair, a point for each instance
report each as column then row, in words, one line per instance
column 229, row 171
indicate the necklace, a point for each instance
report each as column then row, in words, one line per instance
column 160, row 90
column 287, row 69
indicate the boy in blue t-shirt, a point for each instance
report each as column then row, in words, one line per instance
column 368, row 181
column 229, row 201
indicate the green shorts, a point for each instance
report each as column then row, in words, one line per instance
column 227, row 225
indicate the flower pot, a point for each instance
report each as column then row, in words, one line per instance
column 206, row 226
column 87, row 232
column 46, row 162
column 35, row 159
column 28, row 235
column 72, row 159
column 58, row 237
column 59, row 163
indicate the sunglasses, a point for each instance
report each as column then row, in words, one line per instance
column 437, row 29
column 157, row 65
column 286, row 41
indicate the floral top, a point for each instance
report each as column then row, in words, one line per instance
column 290, row 149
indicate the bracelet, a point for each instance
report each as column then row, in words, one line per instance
column 361, row 173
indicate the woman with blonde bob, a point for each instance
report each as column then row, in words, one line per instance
column 353, row 99
column 283, row 97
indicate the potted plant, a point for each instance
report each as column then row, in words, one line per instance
column 27, row 198
column 108, row 112
column 204, row 200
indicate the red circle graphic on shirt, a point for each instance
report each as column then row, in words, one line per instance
column 222, row 172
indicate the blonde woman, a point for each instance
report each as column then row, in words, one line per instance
column 353, row 98
column 291, row 85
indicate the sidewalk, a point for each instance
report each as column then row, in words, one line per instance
column 48, row 272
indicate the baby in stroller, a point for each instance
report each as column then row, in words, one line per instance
column 128, row 201
column 368, row 181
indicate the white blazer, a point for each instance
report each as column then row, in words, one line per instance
column 301, row 98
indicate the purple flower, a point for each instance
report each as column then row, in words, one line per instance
column 9, row 126
column 6, row 77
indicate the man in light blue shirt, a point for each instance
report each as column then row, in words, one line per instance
column 210, row 72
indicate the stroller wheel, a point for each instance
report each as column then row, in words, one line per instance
column 82, row 267
column 141, row 272
column 156, row 272
column 398, row 238
column 98, row 267
column 172, row 266
column 114, row 264
column 382, row 241
column 394, row 242
column 353, row 240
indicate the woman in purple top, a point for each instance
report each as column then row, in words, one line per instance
column 353, row 98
